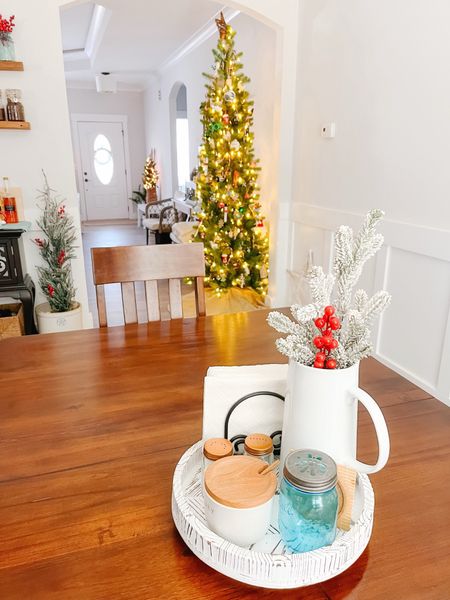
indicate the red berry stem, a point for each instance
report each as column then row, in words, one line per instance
column 325, row 342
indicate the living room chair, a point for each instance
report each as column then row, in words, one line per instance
column 150, row 264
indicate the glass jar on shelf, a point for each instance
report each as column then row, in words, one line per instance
column 14, row 106
column 2, row 107
column 308, row 501
column 7, row 51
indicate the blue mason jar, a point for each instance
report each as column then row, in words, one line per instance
column 308, row 501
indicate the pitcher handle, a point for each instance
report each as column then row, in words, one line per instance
column 381, row 430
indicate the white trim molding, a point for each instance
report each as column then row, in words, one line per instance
column 197, row 39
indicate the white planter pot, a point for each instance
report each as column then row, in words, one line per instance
column 321, row 413
column 53, row 322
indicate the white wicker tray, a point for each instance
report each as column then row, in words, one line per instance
column 267, row 563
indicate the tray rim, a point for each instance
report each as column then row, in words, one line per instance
column 364, row 524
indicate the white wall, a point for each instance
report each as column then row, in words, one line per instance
column 258, row 43
column 376, row 70
column 48, row 145
column 131, row 104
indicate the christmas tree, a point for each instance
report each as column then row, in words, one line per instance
column 150, row 176
column 57, row 250
column 230, row 224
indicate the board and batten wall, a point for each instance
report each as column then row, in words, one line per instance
column 375, row 69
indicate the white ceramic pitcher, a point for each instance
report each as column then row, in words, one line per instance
column 321, row 413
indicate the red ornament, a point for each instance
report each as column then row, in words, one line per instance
column 51, row 290
column 333, row 344
column 225, row 119
column 329, row 310
column 318, row 364
column 330, row 364
column 61, row 257
column 319, row 342
column 328, row 333
column 221, row 204
column 260, row 223
column 321, row 356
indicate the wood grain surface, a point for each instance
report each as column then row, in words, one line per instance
column 92, row 424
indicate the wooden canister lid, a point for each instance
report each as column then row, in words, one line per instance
column 258, row 444
column 216, row 448
column 236, row 481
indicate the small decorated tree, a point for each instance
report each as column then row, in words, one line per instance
column 334, row 331
column 150, row 177
column 230, row 224
column 57, row 250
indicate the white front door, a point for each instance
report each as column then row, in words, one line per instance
column 103, row 170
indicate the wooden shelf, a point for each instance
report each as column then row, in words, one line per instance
column 11, row 65
column 15, row 125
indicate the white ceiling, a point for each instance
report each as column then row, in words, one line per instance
column 131, row 40
column 75, row 25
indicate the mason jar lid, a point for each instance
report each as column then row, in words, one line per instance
column 258, row 444
column 216, row 448
column 310, row 470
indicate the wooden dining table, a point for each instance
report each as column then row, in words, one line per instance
column 92, row 424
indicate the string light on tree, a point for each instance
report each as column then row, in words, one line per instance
column 150, row 176
column 230, row 224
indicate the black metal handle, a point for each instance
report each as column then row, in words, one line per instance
column 238, row 440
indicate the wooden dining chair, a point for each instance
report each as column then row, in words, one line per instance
column 128, row 264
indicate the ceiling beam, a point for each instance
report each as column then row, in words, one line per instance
column 196, row 40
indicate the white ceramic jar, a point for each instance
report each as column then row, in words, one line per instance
column 238, row 499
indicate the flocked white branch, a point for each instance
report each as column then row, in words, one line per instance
column 356, row 314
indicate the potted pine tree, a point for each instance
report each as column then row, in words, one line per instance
column 61, row 312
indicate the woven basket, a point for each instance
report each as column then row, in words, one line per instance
column 12, row 326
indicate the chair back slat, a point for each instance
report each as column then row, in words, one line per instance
column 128, row 264
column 176, row 305
column 200, row 297
column 152, row 300
column 129, row 302
column 101, row 305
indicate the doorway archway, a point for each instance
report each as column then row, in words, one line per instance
column 286, row 23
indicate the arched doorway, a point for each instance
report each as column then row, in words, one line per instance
column 286, row 23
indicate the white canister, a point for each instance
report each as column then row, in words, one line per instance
column 238, row 498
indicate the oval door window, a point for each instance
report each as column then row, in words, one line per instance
column 103, row 160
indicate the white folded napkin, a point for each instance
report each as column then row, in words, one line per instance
column 261, row 414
